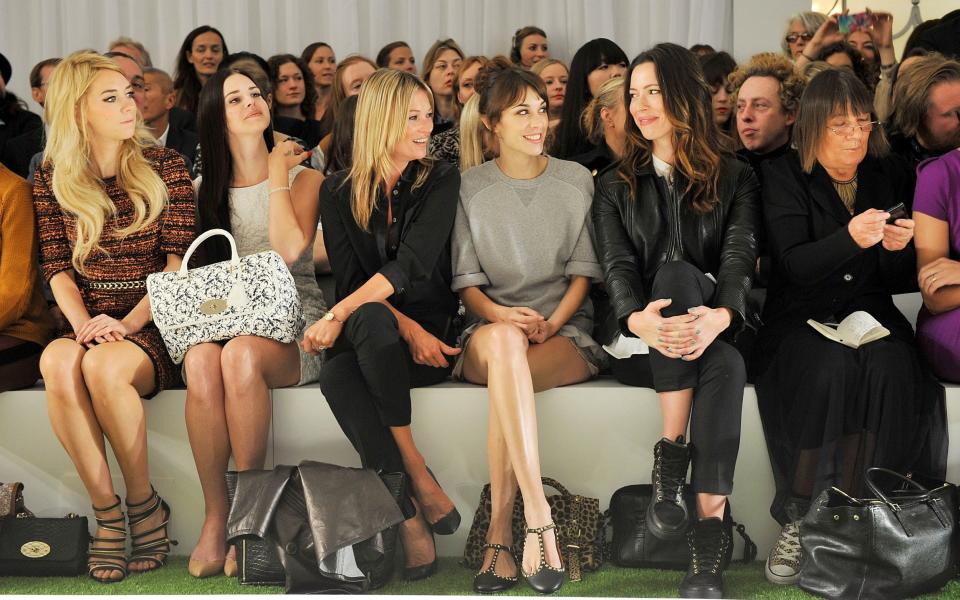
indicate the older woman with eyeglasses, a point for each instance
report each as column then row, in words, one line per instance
column 800, row 29
column 829, row 411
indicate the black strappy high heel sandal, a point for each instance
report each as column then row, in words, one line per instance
column 546, row 579
column 102, row 558
column 153, row 551
column 487, row 581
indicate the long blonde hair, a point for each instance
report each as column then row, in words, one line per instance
column 382, row 109
column 471, row 134
column 608, row 97
column 77, row 188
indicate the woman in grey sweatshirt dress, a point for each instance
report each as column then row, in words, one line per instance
column 523, row 261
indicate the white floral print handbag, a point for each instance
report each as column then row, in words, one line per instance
column 253, row 295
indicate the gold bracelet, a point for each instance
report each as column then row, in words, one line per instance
column 285, row 188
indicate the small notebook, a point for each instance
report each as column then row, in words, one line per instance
column 857, row 329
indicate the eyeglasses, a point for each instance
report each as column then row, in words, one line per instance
column 848, row 129
column 793, row 37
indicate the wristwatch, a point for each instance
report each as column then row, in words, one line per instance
column 331, row 316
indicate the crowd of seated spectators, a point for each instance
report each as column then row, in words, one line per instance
column 515, row 222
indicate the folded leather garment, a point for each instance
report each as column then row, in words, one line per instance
column 332, row 526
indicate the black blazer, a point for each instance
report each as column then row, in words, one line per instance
column 17, row 152
column 819, row 272
column 185, row 142
column 182, row 119
column 636, row 235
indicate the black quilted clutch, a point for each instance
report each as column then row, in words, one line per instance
column 43, row 547
column 257, row 560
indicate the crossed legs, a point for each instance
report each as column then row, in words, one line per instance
column 500, row 357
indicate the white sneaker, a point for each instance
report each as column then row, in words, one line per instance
column 783, row 564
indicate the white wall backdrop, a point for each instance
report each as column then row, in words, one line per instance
column 31, row 30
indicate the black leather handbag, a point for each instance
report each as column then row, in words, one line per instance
column 35, row 546
column 902, row 543
column 634, row 546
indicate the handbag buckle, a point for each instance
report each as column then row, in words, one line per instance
column 213, row 306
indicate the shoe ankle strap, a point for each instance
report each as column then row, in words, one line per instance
column 150, row 498
column 540, row 530
column 113, row 506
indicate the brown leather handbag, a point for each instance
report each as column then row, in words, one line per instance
column 11, row 500
column 580, row 529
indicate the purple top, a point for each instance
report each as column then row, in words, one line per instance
column 938, row 193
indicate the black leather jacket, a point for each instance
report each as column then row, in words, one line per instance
column 331, row 526
column 635, row 236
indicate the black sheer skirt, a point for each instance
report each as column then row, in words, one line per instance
column 829, row 412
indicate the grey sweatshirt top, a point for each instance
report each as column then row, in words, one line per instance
column 521, row 240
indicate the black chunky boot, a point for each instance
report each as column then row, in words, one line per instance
column 667, row 513
column 709, row 550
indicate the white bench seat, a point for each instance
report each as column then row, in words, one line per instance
column 594, row 438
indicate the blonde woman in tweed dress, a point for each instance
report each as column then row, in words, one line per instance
column 111, row 209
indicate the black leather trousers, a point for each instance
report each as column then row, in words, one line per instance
column 366, row 380
column 717, row 378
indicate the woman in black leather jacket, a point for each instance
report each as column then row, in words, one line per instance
column 675, row 234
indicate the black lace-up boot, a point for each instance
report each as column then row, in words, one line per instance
column 667, row 513
column 709, row 544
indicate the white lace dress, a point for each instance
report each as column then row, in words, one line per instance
column 249, row 216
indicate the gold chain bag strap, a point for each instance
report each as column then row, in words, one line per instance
column 579, row 529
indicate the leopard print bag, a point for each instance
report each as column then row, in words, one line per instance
column 581, row 529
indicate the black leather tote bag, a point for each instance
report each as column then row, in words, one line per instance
column 901, row 544
column 633, row 545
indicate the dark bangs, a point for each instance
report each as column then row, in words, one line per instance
column 502, row 86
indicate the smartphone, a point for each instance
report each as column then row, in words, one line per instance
column 854, row 22
column 898, row 211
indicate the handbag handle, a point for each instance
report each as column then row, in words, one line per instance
column 555, row 485
column 234, row 256
column 868, row 478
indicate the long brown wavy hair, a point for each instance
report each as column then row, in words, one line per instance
column 698, row 144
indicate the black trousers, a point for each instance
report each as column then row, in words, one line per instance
column 367, row 379
column 717, row 378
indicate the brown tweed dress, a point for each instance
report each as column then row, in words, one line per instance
column 128, row 259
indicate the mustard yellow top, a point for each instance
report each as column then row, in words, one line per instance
column 23, row 310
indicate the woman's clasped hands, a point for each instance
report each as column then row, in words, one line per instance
column 102, row 329
column 537, row 328
column 685, row 336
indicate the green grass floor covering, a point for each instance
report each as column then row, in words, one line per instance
column 452, row 579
